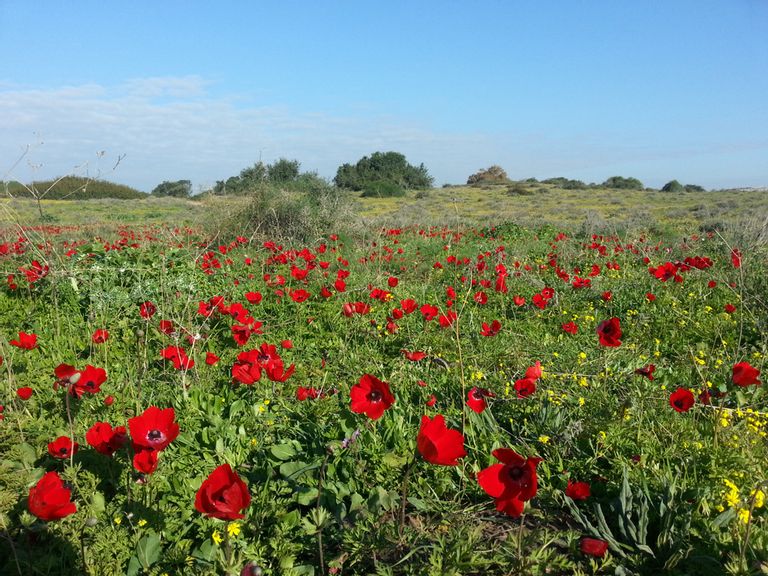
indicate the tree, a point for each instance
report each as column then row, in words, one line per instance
column 177, row 189
column 283, row 171
column 694, row 188
column 383, row 167
column 623, row 183
column 488, row 175
column 672, row 186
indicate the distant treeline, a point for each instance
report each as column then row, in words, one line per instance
column 70, row 188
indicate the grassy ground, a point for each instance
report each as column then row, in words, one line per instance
column 591, row 210
column 539, row 204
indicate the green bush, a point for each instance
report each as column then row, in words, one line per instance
column 382, row 189
column 389, row 166
column 673, row 186
column 622, row 183
column 492, row 174
column 72, row 188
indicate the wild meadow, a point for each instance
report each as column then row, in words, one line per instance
column 520, row 390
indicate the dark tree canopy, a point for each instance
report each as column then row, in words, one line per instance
column 490, row 175
column 673, row 186
column 383, row 167
column 623, row 183
column 282, row 172
column 177, row 189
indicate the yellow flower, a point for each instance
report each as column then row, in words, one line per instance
column 118, row 520
column 582, row 401
column 543, row 438
column 216, row 537
column 142, row 522
column 759, row 498
column 267, row 401
column 602, row 435
column 233, row 529
column 744, row 515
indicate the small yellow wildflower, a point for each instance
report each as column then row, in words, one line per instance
column 582, row 401
column 216, row 537
column 759, row 498
column 118, row 520
column 142, row 523
column 267, row 401
column 543, row 438
column 233, row 529
column 744, row 516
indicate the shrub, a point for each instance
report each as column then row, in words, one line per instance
column 488, row 175
column 622, row 183
column 673, row 186
column 382, row 189
column 383, row 166
column 178, row 189
column 566, row 183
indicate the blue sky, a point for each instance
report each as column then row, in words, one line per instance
column 197, row 90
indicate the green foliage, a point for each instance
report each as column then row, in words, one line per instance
column 694, row 188
column 282, row 173
column 566, row 183
column 621, row 183
column 71, row 188
column 673, row 186
column 382, row 189
column 383, row 166
column 177, row 189
column 492, row 174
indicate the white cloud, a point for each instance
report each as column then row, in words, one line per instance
column 175, row 128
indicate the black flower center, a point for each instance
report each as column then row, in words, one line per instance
column 516, row 473
column 374, row 396
column 154, row 435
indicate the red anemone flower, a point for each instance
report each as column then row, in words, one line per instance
column 154, row 429
column 90, row 380
column 49, row 499
column 510, row 483
column 593, row 547
column 147, row 310
column 439, row 445
column 145, row 460
column 525, row 387
column 744, row 374
column 577, row 490
column 609, row 332
column 223, row 495
column 105, row 439
column 414, row 356
column 491, row 330
column 100, row 336
column 178, row 356
column 476, row 399
column 211, row 358
column 646, row 371
column 681, row 400
column 371, row 397
column 62, row 447
column 25, row 341
column 570, row 327
column 25, row 392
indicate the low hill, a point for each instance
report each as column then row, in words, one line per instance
column 71, row 188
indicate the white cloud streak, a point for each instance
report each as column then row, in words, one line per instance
column 174, row 128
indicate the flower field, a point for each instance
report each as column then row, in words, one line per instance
column 439, row 401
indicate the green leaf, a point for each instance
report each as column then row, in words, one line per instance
column 148, row 550
column 305, row 495
column 97, row 502
column 284, row 451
